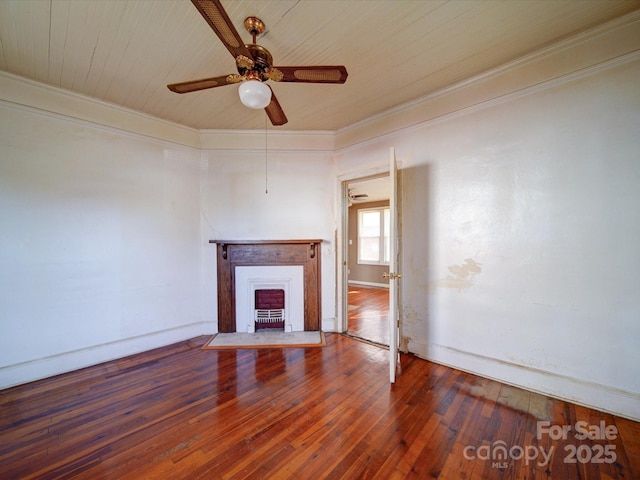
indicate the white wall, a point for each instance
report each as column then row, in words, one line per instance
column 521, row 219
column 99, row 244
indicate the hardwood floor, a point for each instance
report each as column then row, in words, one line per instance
column 180, row 412
column 368, row 313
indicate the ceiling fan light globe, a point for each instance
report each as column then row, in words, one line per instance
column 254, row 94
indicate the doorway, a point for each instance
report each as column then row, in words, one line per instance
column 366, row 291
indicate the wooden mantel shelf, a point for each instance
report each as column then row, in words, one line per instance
column 225, row 243
column 236, row 253
column 262, row 242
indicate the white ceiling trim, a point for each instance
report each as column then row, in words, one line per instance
column 274, row 140
column 26, row 93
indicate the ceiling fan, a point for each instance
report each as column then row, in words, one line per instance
column 356, row 197
column 254, row 64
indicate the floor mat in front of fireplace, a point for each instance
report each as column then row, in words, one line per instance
column 265, row 339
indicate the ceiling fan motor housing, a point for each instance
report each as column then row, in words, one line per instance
column 262, row 61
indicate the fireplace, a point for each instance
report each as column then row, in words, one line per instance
column 266, row 265
column 269, row 308
column 263, row 283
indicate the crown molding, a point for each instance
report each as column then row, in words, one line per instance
column 580, row 53
column 29, row 95
column 46, row 99
column 272, row 140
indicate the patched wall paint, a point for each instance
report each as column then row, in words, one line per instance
column 460, row 277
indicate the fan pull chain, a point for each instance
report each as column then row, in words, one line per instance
column 266, row 163
column 49, row 47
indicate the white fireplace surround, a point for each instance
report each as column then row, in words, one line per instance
column 289, row 278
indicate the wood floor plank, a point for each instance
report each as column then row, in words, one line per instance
column 180, row 412
column 368, row 313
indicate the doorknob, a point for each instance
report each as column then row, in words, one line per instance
column 391, row 275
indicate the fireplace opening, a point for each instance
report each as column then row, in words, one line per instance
column 269, row 309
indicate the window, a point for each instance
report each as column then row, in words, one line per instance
column 373, row 235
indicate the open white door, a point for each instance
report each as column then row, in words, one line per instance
column 393, row 275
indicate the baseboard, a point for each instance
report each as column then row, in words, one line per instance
column 37, row 369
column 589, row 394
column 369, row 284
column 329, row 324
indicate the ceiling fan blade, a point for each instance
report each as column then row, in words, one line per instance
column 203, row 83
column 215, row 15
column 324, row 74
column 275, row 112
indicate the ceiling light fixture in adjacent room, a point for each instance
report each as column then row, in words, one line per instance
column 357, row 196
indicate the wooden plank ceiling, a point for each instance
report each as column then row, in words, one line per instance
column 127, row 51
